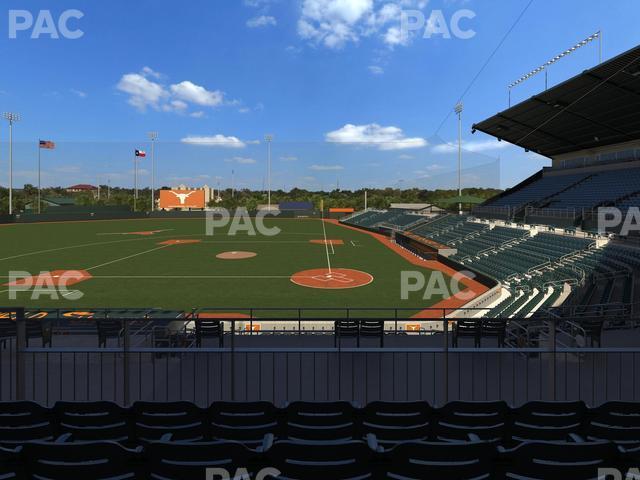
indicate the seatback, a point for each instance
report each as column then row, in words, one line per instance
column 208, row 328
column 190, row 460
column 468, row 328
column 487, row 420
column 246, row 422
column 371, row 328
column 65, row 461
column 577, row 461
column 494, row 327
column 183, row 420
column 336, row 461
column 318, row 421
column 394, row 422
column 347, row 328
column 617, row 422
column 22, row 422
column 547, row 421
column 92, row 421
column 441, row 460
column 108, row 328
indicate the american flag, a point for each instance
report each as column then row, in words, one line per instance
column 141, row 153
column 48, row 144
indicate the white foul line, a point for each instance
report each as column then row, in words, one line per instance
column 125, row 258
column 326, row 246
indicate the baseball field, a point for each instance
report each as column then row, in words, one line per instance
column 175, row 264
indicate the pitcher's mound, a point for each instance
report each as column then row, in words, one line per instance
column 338, row 278
column 179, row 242
column 327, row 242
column 235, row 255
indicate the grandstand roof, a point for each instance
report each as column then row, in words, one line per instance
column 596, row 108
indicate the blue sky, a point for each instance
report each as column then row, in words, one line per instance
column 346, row 96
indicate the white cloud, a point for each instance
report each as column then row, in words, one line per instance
column 404, row 156
column 146, row 91
column 374, row 135
column 198, row 114
column 241, row 160
column 289, row 158
column 192, row 93
column 217, row 140
column 142, row 92
column 261, row 21
column 79, row 93
column 335, row 23
column 474, row 146
column 326, row 168
column 376, row 69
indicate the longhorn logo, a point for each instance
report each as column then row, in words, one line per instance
column 182, row 196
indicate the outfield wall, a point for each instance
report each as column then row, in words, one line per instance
column 118, row 214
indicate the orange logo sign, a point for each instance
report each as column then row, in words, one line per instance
column 182, row 199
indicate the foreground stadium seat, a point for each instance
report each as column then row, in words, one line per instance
column 346, row 329
column 577, row 461
column 352, row 460
column 395, row 422
column 206, row 328
column 547, row 421
column 617, row 422
column 95, row 460
column 245, row 422
column 11, row 466
column 93, row 421
column 484, row 420
column 440, row 460
column 177, row 421
column 189, row 460
column 325, row 422
column 467, row 329
column 22, row 422
column 494, row 328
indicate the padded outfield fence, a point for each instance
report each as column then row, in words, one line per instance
column 236, row 363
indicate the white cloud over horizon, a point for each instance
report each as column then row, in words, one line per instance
column 145, row 91
column 217, row 140
column 326, row 168
column 374, row 135
column 470, row 146
column 262, row 21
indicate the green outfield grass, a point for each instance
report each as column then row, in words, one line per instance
column 131, row 271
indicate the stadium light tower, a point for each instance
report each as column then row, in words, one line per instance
column 269, row 138
column 11, row 117
column 458, row 109
column 153, row 136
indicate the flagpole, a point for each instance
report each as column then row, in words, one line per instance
column 39, row 182
column 135, row 183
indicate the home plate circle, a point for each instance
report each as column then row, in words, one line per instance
column 235, row 255
column 334, row 279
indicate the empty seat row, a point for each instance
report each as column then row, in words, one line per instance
column 349, row 460
column 250, row 423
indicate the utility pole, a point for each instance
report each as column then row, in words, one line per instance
column 458, row 109
column 269, row 138
column 11, row 117
column 153, row 136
